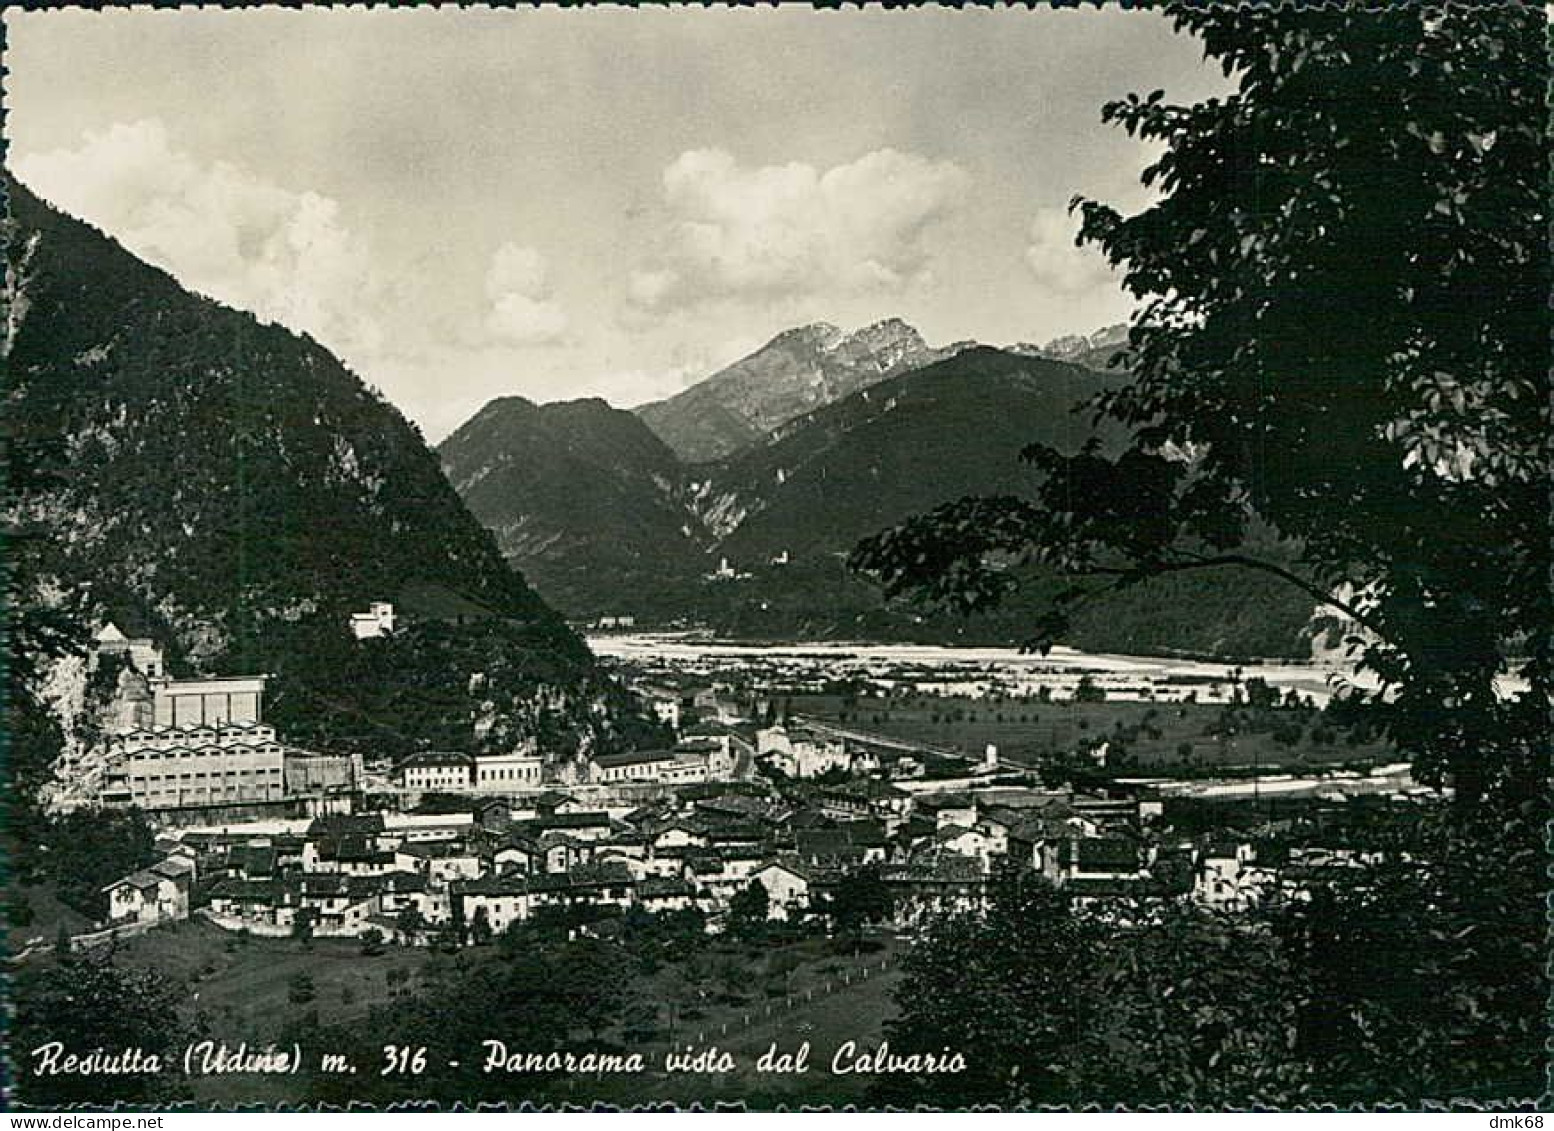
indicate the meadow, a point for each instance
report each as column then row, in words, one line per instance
column 1142, row 736
column 739, row 997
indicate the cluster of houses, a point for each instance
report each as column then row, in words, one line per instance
column 695, row 759
column 795, row 809
column 504, row 860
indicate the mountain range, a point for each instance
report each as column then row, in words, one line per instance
column 834, row 437
column 796, row 372
column 230, row 488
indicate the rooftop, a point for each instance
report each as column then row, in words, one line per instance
column 633, row 758
column 434, row 758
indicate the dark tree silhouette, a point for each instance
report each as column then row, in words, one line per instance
column 1342, row 341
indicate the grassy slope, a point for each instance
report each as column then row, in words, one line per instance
column 241, row 988
column 1023, row 729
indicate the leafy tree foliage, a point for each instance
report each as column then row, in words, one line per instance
column 1425, row 975
column 480, row 927
column 859, row 898
column 1002, row 989
column 1188, row 1009
column 86, row 849
column 87, row 1001
column 1418, row 979
column 1342, row 345
column 1088, row 691
column 747, row 911
column 1343, row 339
column 664, row 936
column 544, row 996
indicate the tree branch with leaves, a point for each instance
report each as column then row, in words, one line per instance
column 1341, row 343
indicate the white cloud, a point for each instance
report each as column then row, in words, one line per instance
column 650, row 289
column 781, row 230
column 1056, row 263
column 223, row 231
column 522, row 310
column 517, row 269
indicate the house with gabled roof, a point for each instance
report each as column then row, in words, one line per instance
column 503, row 900
column 440, row 861
column 349, row 853
column 562, row 852
column 251, row 861
column 736, row 807
column 1116, row 857
column 865, row 797
column 658, row 895
column 554, row 801
column 398, row 891
column 582, row 824
column 635, row 765
column 493, row 814
column 433, row 770
column 251, row 904
column 790, row 886
column 947, row 808
column 962, row 840
column 849, row 845
column 678, row 834
column 517, row 853
column 339, row 904
column 647, row 814
column 935, row 882
column 158, row 894
column 345, row 824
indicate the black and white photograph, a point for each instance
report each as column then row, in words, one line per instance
column 777, row 558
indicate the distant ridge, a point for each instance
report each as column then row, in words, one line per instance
column 581, row 496
column 796, row 372
column 607, row 520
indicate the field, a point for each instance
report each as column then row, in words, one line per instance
column 737, row 998
column 1180, row 737
column 828, row 1000
column 47, row 916
column 247, row 989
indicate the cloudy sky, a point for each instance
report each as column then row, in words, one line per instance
column 599, row 202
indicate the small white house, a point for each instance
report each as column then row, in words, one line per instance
column 158, row 894
column 377, row 621
column 787, row 888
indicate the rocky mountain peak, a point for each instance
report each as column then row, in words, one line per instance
column 820, row 336
column 1076, row 346
column 890, row 344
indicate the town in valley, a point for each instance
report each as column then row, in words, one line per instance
column 844, row 794
column 894, row 558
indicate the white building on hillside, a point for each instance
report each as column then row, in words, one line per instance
column 377, row 621
column 142, row 652
column 800, row 755
column 437, row 770
column 498, row 772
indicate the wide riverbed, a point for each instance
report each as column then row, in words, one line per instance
column 952, row 670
